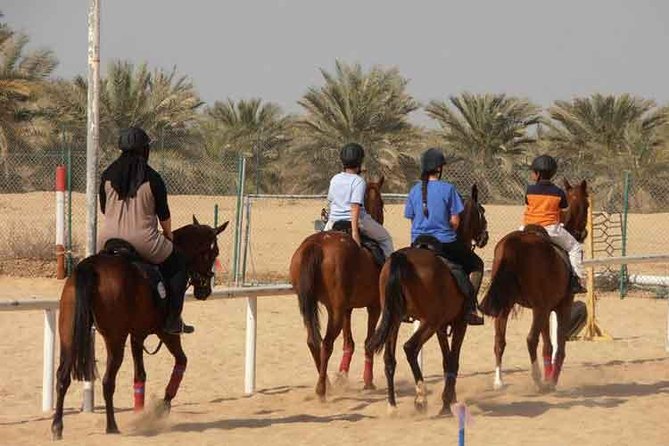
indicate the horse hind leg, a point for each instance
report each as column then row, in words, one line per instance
column 411, row 348
column 348, row 347
column 563, row 315
column 500, row 344
column 390, row 363
column 547, row 351
column 539, row 319
column 452, row 365
column 335, row 319
column 115, row 349
column 139, row 385
column 63, row 379
column 373, row 314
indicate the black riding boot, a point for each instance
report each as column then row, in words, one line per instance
column 576, row 286
column 473, row 317
column 176, row 278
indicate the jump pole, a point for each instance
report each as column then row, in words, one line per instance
column 49, row 359
column 61, row 179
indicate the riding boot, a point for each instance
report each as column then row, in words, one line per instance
column 473, row 317
column 576, row 286
column 176, row 277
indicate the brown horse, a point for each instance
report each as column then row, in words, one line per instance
column 417, row 283
column 111, row 293
column 528, row 271
column 330, row 268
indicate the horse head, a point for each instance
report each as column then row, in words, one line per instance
column 199, row 245
column 374, row 201
column 577, row 215
column 473, row 227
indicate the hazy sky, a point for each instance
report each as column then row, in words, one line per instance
column 544, row 50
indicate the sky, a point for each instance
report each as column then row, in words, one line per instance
column 273, row 49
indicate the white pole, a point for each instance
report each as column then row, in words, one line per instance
column 553, row 328
column 666, row 345
column 49, row 349
column 416, row 324
column 61, row 179
column 92, row 147
column 250, row 354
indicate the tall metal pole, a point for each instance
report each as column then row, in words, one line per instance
column 92, row 147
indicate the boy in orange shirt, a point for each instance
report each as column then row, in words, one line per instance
column 545, row 202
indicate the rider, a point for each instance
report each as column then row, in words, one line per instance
column 133, row 200
column 434, row 208
column 545, row 202
column 347, row 200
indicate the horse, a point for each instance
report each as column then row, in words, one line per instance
column 417, row 283
column 110, row 292
column 529, row 271
column 329, row 267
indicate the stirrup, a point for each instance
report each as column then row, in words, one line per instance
column 182, row 329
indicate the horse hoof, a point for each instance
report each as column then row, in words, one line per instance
column 369, row 386
column 341, row 380
column 57, row 436
column 113, row 430
column 498, row 385
column 446, row 412
column 392, row 410
column 420, row 405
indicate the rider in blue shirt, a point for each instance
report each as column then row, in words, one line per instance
column 434, row 208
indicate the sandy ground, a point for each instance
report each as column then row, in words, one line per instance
column 612, row 393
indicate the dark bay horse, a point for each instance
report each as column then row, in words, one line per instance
column 111, row 293
column 417, row 283
column 528, row 271
column 330, row 268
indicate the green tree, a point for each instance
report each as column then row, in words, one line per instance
column 22, row 80
column 261, row 131
column 368, row 107
column 490, row 133
column 601, row 136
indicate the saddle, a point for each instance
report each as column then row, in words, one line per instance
column 151, row 272
column 564, row 255
column 433, row 244
column 368, row 243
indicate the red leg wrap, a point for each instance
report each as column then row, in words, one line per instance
column 557, row 369
column 139, row 390
column 368, row 375
column 175, row 381
column 548, row 368
column 346, row 361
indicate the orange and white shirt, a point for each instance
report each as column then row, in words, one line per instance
column 544, row 201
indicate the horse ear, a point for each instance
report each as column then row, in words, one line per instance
column 584, row 186
column 475, row 193
column 222, row 227
column 381, row 180
column 566, row 184
column 195, row 222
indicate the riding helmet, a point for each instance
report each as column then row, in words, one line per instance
column 431, row 160
column 133, row 138
column 351, row 155
column 545, row 166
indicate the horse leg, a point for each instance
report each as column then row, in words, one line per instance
column 335, row 319
column 173, row 344
column 313, row 342
column 563, row 315
column 500, row 345
column 63, row 378
column 539, row 319
column 547, row 351
column 411, row 349
column 115, row 347
column 349, row 345
column 452, row 364
column 139, row 386
column 390, row 363
column 373, row 314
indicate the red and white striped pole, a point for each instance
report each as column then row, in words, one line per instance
column 61, row 175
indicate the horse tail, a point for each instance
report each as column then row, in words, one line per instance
column 310, row 264
column 85, row 284
column 504, row 287
column 395, row 301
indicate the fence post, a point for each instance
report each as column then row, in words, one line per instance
column 61, row 174
column 250, row 351
column 623, row 267
column 241, row 178
column 48, row 366
column 69, row 211
column 247, row 235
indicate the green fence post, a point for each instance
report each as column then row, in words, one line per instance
column 241, row 178
column 69, row 261
column 623, row 268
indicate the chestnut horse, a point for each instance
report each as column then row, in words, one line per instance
column 329, row 267
column 417, row 283
column 528, row 271
column 111, row 293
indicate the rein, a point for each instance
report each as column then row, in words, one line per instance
column 160, row 344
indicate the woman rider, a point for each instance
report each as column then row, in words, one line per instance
column 434, row 208
column 133, row 200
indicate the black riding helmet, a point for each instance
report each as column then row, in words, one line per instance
column 431, row 160
column 545, row 166
column 352, row 155
column 133, row 138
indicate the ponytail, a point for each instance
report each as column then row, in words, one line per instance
column 424, row 179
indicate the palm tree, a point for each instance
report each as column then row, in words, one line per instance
column 601, row 136
column 131, row 96
column 22, row 79
column 258, row 130
column 370, row 108
column 490, row 133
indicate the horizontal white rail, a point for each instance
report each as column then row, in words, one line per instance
column 627, row 260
